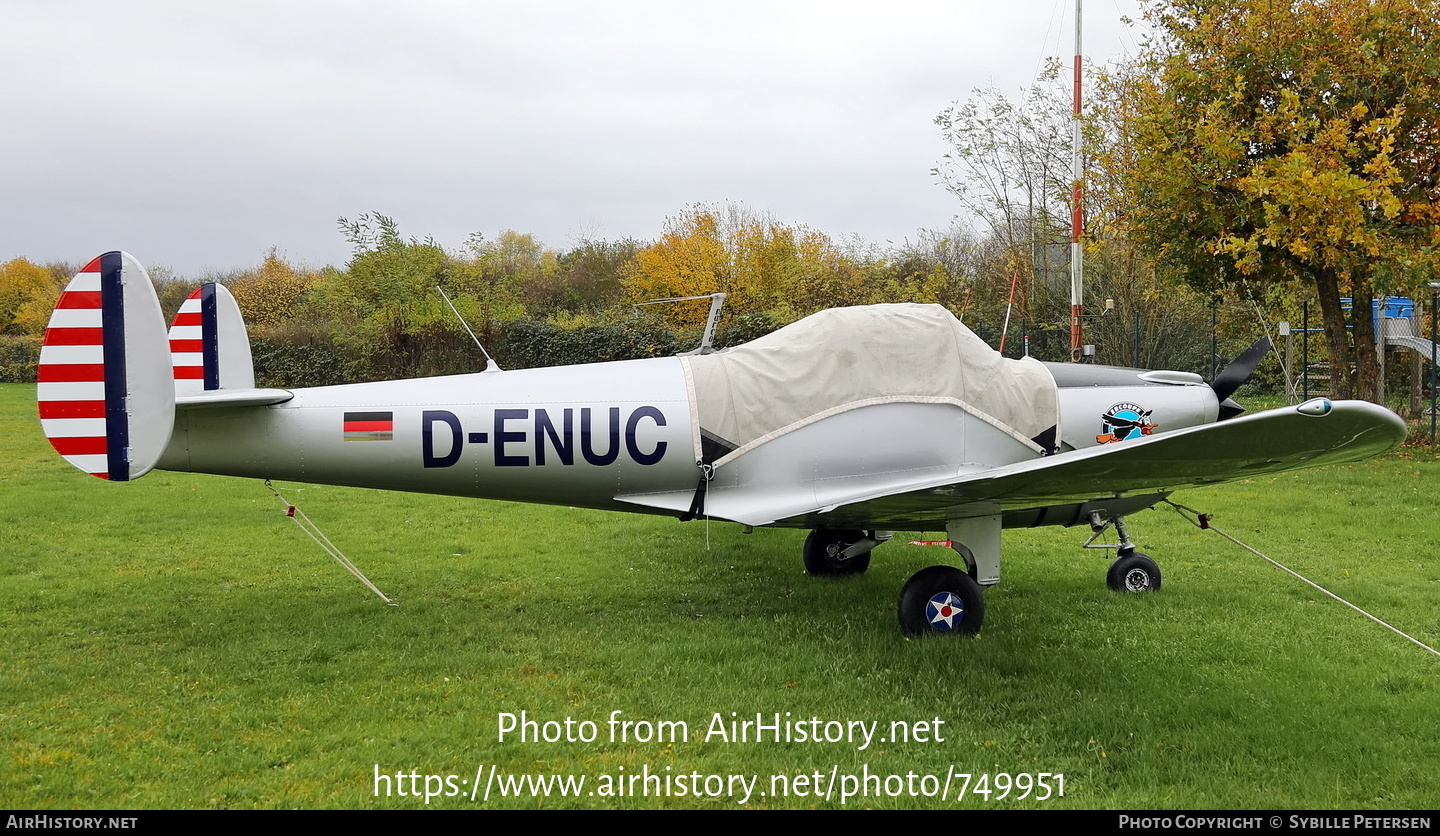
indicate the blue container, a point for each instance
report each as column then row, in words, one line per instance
column 1394, row 306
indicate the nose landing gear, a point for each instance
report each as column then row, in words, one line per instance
column 1131, row 571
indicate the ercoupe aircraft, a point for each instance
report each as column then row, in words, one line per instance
column 852, row 423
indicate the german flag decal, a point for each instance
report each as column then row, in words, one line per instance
column 369, row 426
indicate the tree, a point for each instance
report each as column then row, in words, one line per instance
column 1009, row 165
column 274, row 293
column 27, row 293
column 589, row 279
column 692, row 258
column 1293, row 141
column 937, row 267
column 384, row 311
column 385, row 298
column 490, row 280
column 503, row 274
column 763, row 266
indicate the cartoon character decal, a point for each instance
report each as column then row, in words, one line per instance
column 1125, row 421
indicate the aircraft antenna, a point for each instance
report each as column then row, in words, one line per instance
column 1009, row 303
column 490, row 364
column 707, row 339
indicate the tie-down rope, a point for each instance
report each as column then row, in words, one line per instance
column 1203, row 521
column 310, row 528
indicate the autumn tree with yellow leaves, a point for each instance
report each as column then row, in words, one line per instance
column 1292, row 142
column 27, row 293
column 274, row 293
column 763, row 266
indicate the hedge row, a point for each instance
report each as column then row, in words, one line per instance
column 320, row 358
column 18, row 356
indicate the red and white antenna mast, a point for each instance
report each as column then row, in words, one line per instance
column 1077, row 215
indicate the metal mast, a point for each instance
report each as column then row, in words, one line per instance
column 1077, row 215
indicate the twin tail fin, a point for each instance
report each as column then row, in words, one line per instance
column 111, row 378
column 107, row 399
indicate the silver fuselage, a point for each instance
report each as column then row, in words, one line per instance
column 574, row 435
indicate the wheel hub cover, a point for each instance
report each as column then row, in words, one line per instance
column 1137, row 580
column 945, row 611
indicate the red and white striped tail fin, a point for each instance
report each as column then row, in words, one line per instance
column 209, row 348
column 106, row 400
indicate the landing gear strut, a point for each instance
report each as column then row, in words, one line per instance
column 946, row 599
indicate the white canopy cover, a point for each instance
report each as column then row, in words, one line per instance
column 847, row 358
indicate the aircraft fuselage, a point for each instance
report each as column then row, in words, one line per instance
column 575, row 435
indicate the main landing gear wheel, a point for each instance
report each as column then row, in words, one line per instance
column 1133, row 572
column 941, row 599
column 824, row 553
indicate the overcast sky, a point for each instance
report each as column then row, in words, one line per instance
column 198, row 135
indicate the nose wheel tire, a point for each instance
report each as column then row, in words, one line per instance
column 941, row 599
column 1133, row 572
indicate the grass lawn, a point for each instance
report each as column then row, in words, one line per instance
column 177, row 643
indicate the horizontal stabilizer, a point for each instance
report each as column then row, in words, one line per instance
column 234, row 397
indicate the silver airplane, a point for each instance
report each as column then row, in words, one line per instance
column 853, row 423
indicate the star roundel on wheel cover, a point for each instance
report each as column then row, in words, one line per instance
column 945, row 611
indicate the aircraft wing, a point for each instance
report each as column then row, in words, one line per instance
column 1316, row 433
column 1267, row 442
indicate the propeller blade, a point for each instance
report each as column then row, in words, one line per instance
column 1239, row 371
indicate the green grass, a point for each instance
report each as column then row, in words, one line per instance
column 176, row 642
